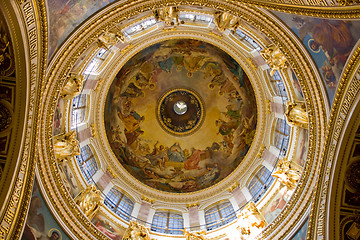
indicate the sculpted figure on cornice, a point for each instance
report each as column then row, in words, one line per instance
column 296, row 115
column 275, row 58
column 251, row 222
column 110, row 38
column 224, row 20
column 89, row 201
column 136, row 231
column 285, row 175
column 66, row 146
column 73, row 86
column 167, row 14
column 193, row 235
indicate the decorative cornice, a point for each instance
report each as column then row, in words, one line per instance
column 146, row 199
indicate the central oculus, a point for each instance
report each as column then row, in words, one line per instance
column 180, row 111
column 180, row 107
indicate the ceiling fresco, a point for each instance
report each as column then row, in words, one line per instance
column 184, row 74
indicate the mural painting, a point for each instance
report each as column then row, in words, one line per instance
column 329, row 43
column 296, row 86
column 58, row 125
column 175, row 161
column 301, row 234
column 68, row 178
column 108, row 228
column 276, row 204
column 40, row 224
column 65, row 15
column 302, row 147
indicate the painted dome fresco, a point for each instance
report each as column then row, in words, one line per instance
column 180, row 115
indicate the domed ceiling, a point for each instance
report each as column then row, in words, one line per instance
column 180, row 115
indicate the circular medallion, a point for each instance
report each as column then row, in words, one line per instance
column 180, row 111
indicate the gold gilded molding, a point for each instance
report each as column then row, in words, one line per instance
column 191, row 205
column 261, row 151
column 346, row 94
column 111, row 171
column 14, row 210
column 324, row 11
column 93, row 130
column 146, row 199
column 127, row 48
column 232, row 188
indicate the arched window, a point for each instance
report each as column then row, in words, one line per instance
column 260, row 182
column 78, row 111
column 219, row 215
column 281, row 135
column 168, row 222
column 87, row 162
column 119, row 204
column 278, row 85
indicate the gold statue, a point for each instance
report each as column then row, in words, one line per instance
column 73, row 86
column 275, row 58
column 167, row 14
column 224, row 20
column 251, row 221
column 66, row 146
column 296, row 115
column 136, row 231
column 108, row 39
column 89, row 201
column 285, row 175
column 193, row 236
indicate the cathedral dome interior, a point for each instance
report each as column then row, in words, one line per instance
column 179, row 119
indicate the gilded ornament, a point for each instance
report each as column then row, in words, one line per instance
column 191, row 205
column 261, row 151
column 275, row 58
column 285, row 175
column 296, row 115
column 146, row 199
column 224, row 20
column 136, row 231
column 89, row 201
column 167, row 14
column 73, row 86
column 7, row 66
column 66, row 146
column 348, row 2
column 108, row 39
column 193, row 235
column 235, row 185
column 251, row 222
